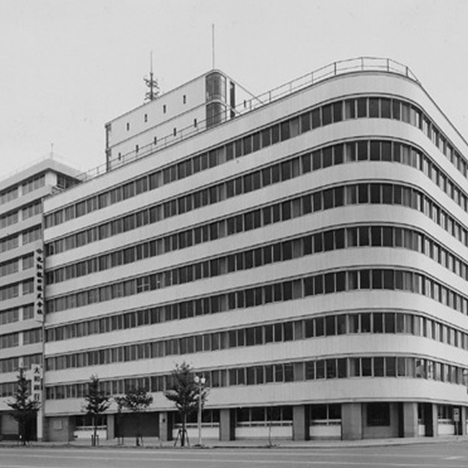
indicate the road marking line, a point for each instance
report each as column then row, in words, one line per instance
column 260, row 462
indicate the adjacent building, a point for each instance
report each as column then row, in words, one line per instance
column 305, row 251
column 21, row 245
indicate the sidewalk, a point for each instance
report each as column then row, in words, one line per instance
column 155, row 443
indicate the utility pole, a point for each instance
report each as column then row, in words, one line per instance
column 200, row 382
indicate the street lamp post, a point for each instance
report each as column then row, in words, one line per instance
column 200, row 381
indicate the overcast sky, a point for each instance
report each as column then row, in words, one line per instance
column 69, row 66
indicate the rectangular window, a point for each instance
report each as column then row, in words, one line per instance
column 350, row 109
column 362, row 107
column 366, row 367
column 275, row 134
column 375, row 150
column 362, row 150
column 378, row 414
column 385, row 108
column 338, row 111
column 285, row 131
column 373, row 107
column 396, row 109
column 316, row 160
column 350, row 152
column 327, row 114
column 266, row 137
column 305, row 122
column 320, row 369
column 316, row 121
column 327, row 157
column 339, row 154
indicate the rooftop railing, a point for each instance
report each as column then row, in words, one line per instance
column 334, row 69
column 341, row 67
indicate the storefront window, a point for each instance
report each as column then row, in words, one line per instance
column 378, row 414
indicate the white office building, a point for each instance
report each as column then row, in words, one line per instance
column 21, row 202
column 305, row 251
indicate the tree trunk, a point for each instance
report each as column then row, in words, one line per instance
column 137, row 436
column 182, row 436
column 270, row 424
column 94, row 441
column 22, row 431
column 117, row 431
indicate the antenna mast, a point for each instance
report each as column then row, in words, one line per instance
column 212, row 46
column 152, row 84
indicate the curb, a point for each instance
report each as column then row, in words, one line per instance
column 280, row 445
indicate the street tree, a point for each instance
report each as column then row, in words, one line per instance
column 24, row 408
column 97, row 402
column 184, row 393
column 136, row 400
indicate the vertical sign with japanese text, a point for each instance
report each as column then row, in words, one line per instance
column 36, row 382
column 39, row 285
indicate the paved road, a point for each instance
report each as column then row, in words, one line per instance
column 447, row 455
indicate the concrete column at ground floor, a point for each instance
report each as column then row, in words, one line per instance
column 110, row 426
column 351, row 421
column 40, row 424
column 300, row 423
column 45, row 430
column 435, row 420
column 463, row 415
column 410, row 419
column 165, row 426
column 227, row 425
column 60, row 429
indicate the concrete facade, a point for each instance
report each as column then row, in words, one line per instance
column 307, row 257
column 21, row 344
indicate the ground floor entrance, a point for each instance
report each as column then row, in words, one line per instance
column 9, row 428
